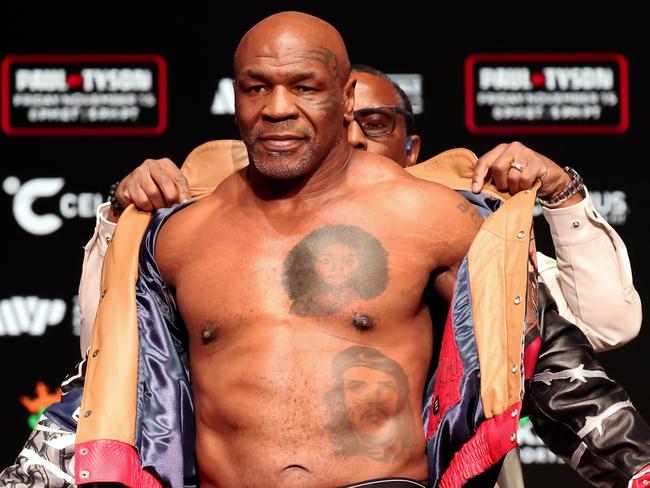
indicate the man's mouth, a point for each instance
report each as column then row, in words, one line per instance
column 282, row 142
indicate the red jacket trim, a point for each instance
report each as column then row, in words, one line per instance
column 106, row 460
column 492, row 441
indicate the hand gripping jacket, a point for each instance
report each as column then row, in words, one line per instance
column 135, row 421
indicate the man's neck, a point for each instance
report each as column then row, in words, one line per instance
column 311, row 189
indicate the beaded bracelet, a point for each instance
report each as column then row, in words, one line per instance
column 115, row 205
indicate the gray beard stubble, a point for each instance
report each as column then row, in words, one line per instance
column 280, row 165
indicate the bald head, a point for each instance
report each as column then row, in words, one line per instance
column 282, row 36
column 293, row 96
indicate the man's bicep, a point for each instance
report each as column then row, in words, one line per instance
column 461, row 222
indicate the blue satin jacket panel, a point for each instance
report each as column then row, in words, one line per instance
column 165, row 412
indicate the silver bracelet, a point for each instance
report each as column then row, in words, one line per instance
column 575, row 185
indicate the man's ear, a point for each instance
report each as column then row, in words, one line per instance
column 414, row 152
column 348, row 100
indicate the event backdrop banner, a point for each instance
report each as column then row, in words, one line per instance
column 84, row 103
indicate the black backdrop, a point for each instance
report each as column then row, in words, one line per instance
column 197, row 43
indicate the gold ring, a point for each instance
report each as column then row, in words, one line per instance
column 518, row 166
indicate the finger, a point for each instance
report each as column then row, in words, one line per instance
column 129, row 191
column 183, row 187
column 501, row 170
column 543, row 178
column 151, row 189
column 139, row 198
column 167, row 188
column 172, row 182
column 483, row 166
column 527, row 178
column 513, row 177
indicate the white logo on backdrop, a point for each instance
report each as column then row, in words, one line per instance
column 71, row 205
column 411, row 83
column 223, row 102
column 76, row 316
column 29, row 315
column 106, row 94
column 552, row 94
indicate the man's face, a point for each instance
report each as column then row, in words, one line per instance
column 371, row 398
column 289, row 105
column 373, row 91
column 337, row 264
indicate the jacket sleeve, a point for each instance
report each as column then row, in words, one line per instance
column 593, row 275
column 581, row 414
column 91, row 272
column 45, row 461
column 47, row 458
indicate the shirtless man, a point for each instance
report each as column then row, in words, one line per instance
column 273, row 358
column 331, row 256
column 287, row 391
column 327, row 265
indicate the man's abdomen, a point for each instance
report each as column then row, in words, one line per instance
column 291, row 404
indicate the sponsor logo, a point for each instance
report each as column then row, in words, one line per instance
column 223, row 102
column 29, row 315
column 546, row 93
column 411, row 83
column 76, row 316
column 612, row 205
column 84, row 95
column 531, row 448
column 27, row 194
column 37, row 404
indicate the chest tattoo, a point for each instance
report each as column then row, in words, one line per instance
column 332, row 268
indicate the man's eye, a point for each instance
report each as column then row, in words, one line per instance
column 304, row 89
column 254, row 89
column 375, row 124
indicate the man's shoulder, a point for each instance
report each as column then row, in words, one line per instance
column 422, row 195
column 183, row 221
column 378, row 173
column 194, row 216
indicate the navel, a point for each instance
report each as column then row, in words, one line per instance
column 362, row 322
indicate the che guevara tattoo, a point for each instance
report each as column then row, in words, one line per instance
column 370, row 414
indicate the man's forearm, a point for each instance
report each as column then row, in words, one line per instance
column 583, row 415
column 594, row 276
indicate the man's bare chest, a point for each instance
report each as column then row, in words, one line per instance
column 340, row 270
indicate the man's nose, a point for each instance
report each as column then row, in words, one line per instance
column 280, row 105
column 356, row 138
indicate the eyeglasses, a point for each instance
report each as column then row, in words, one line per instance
column 380, row 121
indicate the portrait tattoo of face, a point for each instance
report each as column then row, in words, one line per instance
column 369, row 410
column 332, row 268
